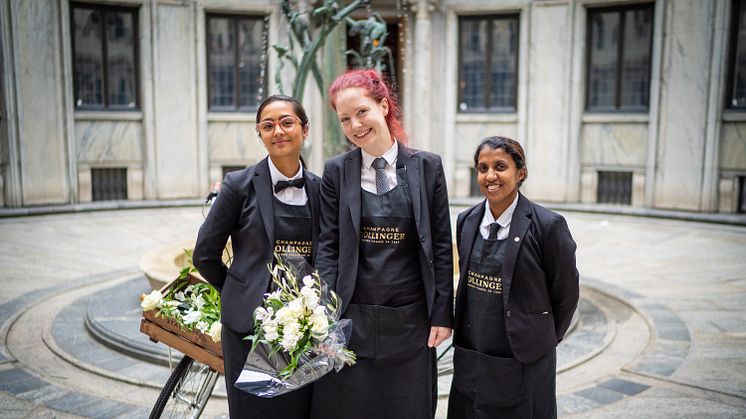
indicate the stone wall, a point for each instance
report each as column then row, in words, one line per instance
column 686, row 152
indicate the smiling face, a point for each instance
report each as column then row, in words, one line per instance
column 498, row 178
column 286, row 137
column 364, row 120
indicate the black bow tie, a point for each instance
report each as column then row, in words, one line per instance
column 284, row 184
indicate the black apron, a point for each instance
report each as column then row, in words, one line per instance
column 488, row 382
column 294, row 234
column 395, row 373
column 294, row 240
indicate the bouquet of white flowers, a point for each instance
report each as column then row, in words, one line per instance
column 298, row 336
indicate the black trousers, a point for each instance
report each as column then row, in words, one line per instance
column 293, row 405
column 486, row 387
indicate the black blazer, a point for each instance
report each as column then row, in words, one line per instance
column 339, row 240
column 244, row 212
column 539, row 277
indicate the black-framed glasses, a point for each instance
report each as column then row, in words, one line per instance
column 286, row 123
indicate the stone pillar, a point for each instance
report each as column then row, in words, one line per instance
column 547, row 144
column 684, row 105
column 422, row 79
column 42, row 141
column 175, row 148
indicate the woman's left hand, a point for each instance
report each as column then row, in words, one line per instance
column 438, row 335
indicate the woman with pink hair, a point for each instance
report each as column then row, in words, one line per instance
column 385, row 247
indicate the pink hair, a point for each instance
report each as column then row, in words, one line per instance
column 376, row 88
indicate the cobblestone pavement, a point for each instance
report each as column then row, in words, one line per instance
column 662, row 329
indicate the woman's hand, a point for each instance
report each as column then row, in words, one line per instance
column 438, row 335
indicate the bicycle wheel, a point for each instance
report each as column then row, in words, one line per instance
column 186, row 392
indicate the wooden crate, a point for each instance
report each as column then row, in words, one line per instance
column 193, row 343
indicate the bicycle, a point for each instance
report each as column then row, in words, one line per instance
column 192, row 381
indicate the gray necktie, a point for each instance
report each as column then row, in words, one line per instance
column 493, row 231
column 382, row 181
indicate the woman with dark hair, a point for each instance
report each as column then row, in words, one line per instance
column 385, row 247
column 517, row 292
column 261, row 208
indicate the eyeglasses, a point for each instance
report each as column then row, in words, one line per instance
column 287, row 123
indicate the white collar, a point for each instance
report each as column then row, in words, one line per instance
column 276, row 175
column 504, row 218
column 390, row 156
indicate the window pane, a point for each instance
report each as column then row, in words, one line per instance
column 739, row 78
column 604, row 42
column 250, row 64
column 473, row 52
column 221, row 65
column 504, row 63
column 120, row 45
column 636, row 62
column 89, row 69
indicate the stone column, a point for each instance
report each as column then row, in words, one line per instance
column 684, row 105
column 422, row 79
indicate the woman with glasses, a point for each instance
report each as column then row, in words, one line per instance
column 385, row 247
column 270, row 207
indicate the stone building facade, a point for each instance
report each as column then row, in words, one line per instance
column 621, row 102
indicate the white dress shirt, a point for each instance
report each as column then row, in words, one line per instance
column 368, row 174
column 291, row 195
column 503, row 220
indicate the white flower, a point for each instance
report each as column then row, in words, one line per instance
column 319, row 324
column 215, row 331
column 191, row 317
column 274, row 296
column 260, row 313
column 270, row 331
column 152, row 301
column 296, row 307
column 306, row 291
column 180, row 296
column 285, row 315
column 319, row 310
column 308, row 281
column 312, row 302
column 289, row 340
column 199, row 302
column 202, row 326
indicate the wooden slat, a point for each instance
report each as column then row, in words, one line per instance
column 182, row 345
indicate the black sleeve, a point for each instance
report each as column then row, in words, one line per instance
column 328, row 252
column 440, row 227
column 561, row 273
column 213, row 235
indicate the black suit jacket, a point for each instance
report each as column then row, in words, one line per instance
column 339, row 240
column 539, row 277
column 244, row 211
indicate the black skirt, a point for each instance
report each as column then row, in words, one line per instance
column 395, row 374
column 293, row 405
column 488, row 387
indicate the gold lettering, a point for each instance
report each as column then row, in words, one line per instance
column 484, row 283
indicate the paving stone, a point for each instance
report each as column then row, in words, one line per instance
column 16, row 381
column 600, row 395
column 630, row 388
column 105, row 409
column 72, row 402
column 43, row 394
column 136, row 413
column 572, row 403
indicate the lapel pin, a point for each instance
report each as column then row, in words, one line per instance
column 517, row 239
